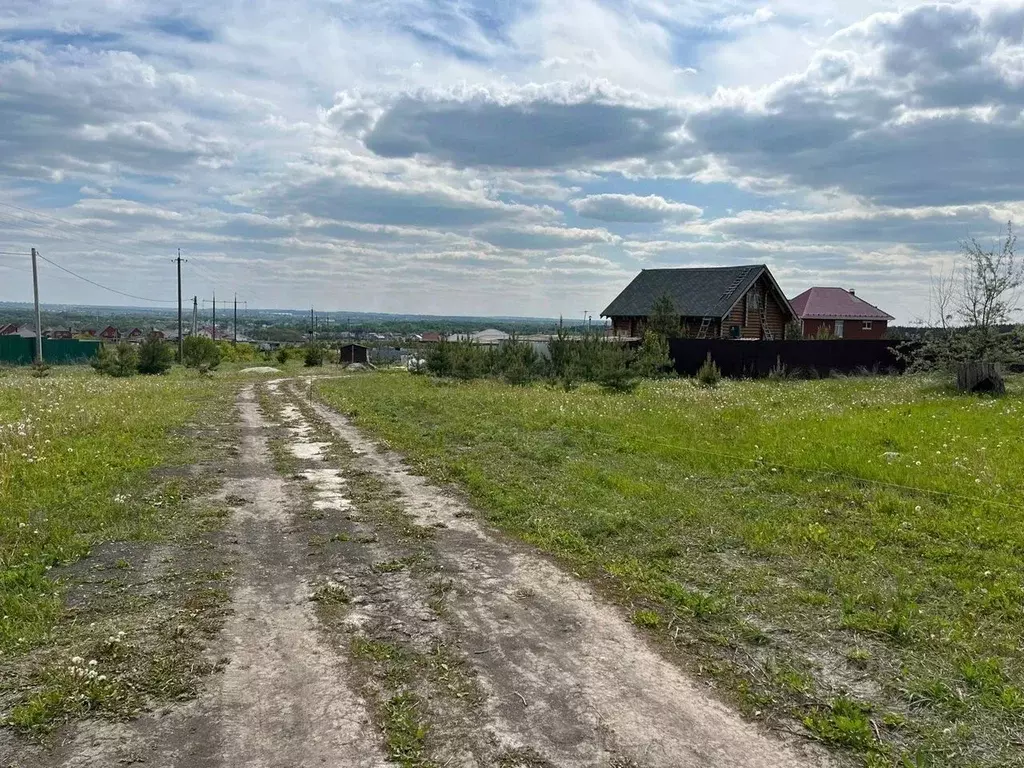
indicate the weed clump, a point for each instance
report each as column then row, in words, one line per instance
column 709, row 375
column 647, row 619
column 331, row 592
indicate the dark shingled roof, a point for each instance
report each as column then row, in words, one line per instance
column 695, row 292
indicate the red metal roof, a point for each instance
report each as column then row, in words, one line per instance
column 835, row 304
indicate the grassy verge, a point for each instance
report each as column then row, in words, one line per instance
column 87, row 466
column 843, row 553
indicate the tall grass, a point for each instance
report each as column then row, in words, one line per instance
column 822, row 547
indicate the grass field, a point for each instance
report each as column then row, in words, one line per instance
column 840, row 557
column 77, row 455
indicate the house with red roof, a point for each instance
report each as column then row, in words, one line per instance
column 840, row 313
column 110, row 333
column 17, row 329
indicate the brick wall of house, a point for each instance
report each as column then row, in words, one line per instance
column 852, row 329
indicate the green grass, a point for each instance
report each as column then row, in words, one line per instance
column 77, row 454
column 835, row 552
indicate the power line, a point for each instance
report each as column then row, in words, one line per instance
column 34, row 228
column 59, row 220
column 43, row 229
column 83, row 232
column 100, row 285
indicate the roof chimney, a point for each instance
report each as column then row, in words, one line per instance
column 852, row 292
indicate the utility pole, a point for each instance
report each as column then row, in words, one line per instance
column 195, row 315
column 235, row 339
column 312, row 328
column 214, row 315
column 39, row 324
column 181, row 341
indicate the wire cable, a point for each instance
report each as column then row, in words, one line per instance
column 105, row 287
column 82, row 233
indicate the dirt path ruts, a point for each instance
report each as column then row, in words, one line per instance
column 557, row 677
column 283, row 698
column 565, row 675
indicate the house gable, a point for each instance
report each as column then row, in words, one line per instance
column 695, row 292
column 739, row 302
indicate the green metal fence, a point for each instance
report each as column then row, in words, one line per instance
column 15, row 350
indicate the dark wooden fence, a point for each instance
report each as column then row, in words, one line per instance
column 798, row 358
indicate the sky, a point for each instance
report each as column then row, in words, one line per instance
column 490, row 157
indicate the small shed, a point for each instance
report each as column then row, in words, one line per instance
column 353, row 353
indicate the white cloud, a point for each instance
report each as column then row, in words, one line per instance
column 743, row 20
column 634, row 208
column 581, row 258
column 878, row 115
column 441, row 155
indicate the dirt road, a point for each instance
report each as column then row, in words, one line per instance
column 377, row 622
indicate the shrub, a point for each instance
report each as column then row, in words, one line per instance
column 155, row 356
column 239, row 353
column 516, row 361
column 459, row 359
column 612, row 368
column 282, row 355
column 709, row 375
column 664, row 319
column 201, row 351
column 439, row 358
column 120, row 361
column 653, row 360
column 589, row 358
column 564, row 366
column 315, row 354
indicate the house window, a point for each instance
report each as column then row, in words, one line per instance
column 866, row 325
column 839, row 329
